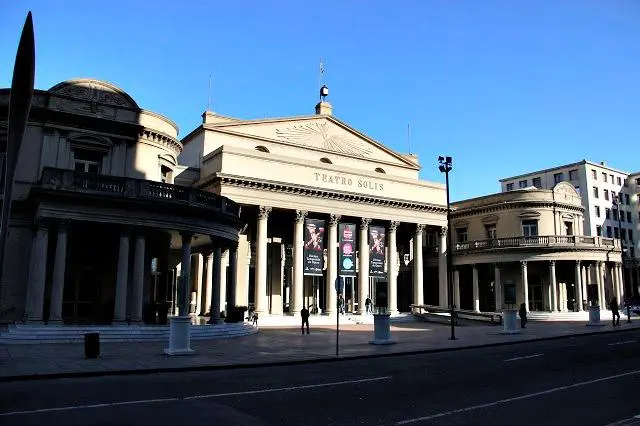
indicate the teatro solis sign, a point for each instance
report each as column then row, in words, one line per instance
column 345, row 181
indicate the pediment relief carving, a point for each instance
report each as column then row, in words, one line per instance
column 320, row 134
column 461, row 223
column 564, row 191
column 490, row 219
column 95, row 91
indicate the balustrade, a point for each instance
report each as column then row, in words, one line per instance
column 535, row 241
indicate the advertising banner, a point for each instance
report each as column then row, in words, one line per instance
column 376, row 251
column 313, row 247
column 347, row 237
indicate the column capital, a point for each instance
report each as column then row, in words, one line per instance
column 420, row 227
column 393, row 225
column 64, row 223
column 578, row 262
column 186, row 236
column 301, row 215
column 552, row 263
column 364, row 222
column 523, row 263
column 334, row 219
column 443, row 231
column 264, row 212
column 42, row 223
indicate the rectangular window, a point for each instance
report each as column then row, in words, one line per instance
column 568, row 228
column 87, row 161
column 626, row 199
column 165, row 174
column 620, row 197
column 522, row 184
column 630, row 235
column 606, row 194
column 615, row 232
column 607, row 213
column 537, row 183
column 595, row 192
column 629, row 217
column 557, row 178
column 625, row 182
column 637, row 181
column 597, row 211
column 599, row 230
column 461, row 234
column 604, row 177
column 619, row 180
column 509, row 187
column 611, row 178
column 632, row 251
column 594, row 174
column 615, row 214
column 573, row 175
column 609, row 232
column 530, row 228
column 491, row 232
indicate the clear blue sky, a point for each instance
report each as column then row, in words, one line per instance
column 504, row 87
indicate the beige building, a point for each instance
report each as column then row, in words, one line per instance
column 532, row 239
column 98, row 225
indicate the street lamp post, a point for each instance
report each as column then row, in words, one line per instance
column 616, row 202
column 445, row 166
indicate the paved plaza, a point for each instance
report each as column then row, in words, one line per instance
column 270, row 346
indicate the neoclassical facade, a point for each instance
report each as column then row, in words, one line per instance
column 532, row 238
column 98, row 223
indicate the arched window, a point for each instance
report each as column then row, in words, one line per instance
column 326, row 160
column 261, row 148
column 380, row 170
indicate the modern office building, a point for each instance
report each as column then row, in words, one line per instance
column 609, row 197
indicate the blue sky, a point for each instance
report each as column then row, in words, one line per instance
column 503, row 86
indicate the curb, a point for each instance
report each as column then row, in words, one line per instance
column 131, row 372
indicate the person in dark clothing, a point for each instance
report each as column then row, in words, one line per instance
column 304, row 313
column 523, row 316
column 615, row 311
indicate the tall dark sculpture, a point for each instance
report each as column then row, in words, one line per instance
column 19, row 107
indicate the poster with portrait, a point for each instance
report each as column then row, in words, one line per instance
column 376, row 251
column 313, row 252
column 347, row 240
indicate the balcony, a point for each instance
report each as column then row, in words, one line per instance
column 135, row 189
column 548, row 241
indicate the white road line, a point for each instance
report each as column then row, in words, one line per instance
column 516, row 398
column 522, row 357
column 175, row 399
column 622, row 343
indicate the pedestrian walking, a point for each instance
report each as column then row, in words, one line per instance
column 341, row 304
column 615, row 311
column 254, row 318
column 523, row 315
column 367, row 305
column 304, row 314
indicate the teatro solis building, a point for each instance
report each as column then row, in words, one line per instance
column 321, row 200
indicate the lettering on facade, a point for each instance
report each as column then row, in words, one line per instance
column 347, row 181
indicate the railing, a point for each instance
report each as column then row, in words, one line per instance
column 69, row 180
column 537, row 241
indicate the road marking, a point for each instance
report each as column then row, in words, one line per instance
column 516, row 398
column 175, row 399
column 522, row 357
column 622, row 343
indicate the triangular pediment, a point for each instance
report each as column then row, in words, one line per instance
column 322, row 133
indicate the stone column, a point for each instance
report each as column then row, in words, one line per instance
column 332, row 267
column 298, row 266
column 497, row 287
column 233, row 275
column 208, row 282
column 620, row 279
column 554, row 286
column 57, row 287
column 600, row 285
column 456, row 288
column 37, row 274
column 525, row 283
column 392, row 268
column 261, row 260
column 476, row 290
column 363, row 271
column 122, row 279
column 199, row 277
column 443, row 290
column 223, row 279
column 185, row 271
column 418, row 280
column 138, row 279
column 578, row 285
column 214, row 315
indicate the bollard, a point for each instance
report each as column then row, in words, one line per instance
column 92, row 345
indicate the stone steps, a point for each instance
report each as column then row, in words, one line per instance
column 30, row 334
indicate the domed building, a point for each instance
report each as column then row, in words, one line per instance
column 98, row 223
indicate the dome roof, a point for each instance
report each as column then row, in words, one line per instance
column 99, row 91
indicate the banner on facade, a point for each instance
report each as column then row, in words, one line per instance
column 347, row 239
column 376, row 251
column 313, row 247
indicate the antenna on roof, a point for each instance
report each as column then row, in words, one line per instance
column 321, row 74
column 409, row 137
column 209, row 95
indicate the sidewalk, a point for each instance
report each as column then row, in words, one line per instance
column 269, row 346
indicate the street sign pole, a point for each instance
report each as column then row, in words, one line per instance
column 339, row 284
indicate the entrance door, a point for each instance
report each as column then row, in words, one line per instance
column 81, row 297
column 536, row 298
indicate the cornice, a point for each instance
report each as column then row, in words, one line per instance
column 161, row 139
column 307, row 191
column 520, row 204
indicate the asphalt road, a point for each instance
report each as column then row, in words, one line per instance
column 589, row 380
